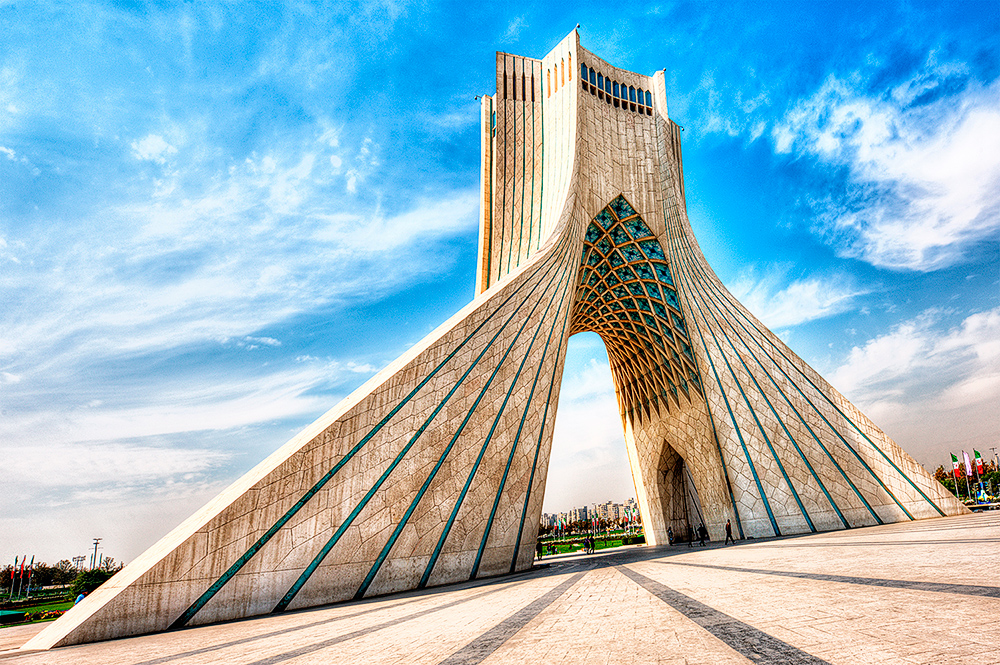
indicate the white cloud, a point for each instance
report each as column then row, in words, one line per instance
column 589, row 461
column 780, row 304
column 172, row 406
column 76, row 465
column 929, row 387
column 514, row 29
column 924, row 172
column 153, row 148
column 973, row 348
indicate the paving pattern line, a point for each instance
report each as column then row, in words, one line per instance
column 752, row 643
column 885, row 543
column 483, row 646
column 284, row 631
column 301, row 651
column 938, row 587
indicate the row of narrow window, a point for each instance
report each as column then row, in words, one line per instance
column 561, row 71
column 622, row 96
column 618, row 94
column 527, row 86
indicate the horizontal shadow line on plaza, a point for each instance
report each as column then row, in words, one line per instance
column 492, row 584
column 937, row 587
column 752, row 643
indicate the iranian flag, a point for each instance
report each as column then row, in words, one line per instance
column 954, row 463
column 979, row 461
column 968, row 464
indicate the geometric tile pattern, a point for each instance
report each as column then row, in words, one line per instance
column 626, row 295
column 434, row 470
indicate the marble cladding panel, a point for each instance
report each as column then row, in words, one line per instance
column 434, row 470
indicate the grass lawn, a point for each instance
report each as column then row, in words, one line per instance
column 61, row 606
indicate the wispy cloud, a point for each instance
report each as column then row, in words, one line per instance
column 918, row 354
column 921, row 164
column 928, row 384
column 781, row 303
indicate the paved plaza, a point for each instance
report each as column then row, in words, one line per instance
column 920, row 592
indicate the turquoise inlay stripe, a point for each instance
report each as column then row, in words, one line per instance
column 524, row 171
column 503, row 207
column 668, row 221
column 848, row 419
column 718, row 306
column 425, row 578
column 815, row 408
column 753, row 412
column 812, row 433
column 186, row 616
column 325, row 550
column 541, row 186
column 493, row 159
column 370, row 577
column 531, row 213
column 517, row 438
column 538, row 447
column 739, row 434
column 780, row 421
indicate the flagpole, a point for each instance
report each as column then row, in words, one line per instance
column 968, row 472
column 954, row 473
column 31, row 569
column 10, row 594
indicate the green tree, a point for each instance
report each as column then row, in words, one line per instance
column 89, row 580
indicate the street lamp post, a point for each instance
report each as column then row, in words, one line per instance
column 93, row 558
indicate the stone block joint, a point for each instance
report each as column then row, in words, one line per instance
column 434, row 471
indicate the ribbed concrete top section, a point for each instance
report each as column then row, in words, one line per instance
column 530, row 128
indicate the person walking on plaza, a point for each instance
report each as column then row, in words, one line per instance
column 670, row 535
column 729, row 533
column 690, row 536
column 702, row 534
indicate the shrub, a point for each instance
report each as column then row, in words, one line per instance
column 88, row 580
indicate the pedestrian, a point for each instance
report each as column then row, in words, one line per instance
column 670, row 535
column 80, row 597
column 702, row 534
column 729, row 533
column 539, row 549
column 690, row 536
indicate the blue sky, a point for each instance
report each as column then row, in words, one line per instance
column 217, row 219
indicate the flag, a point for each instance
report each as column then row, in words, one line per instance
column 954, row 464
column 23, row 559
column 979, row 461
column 968, row 464
column 12, row 571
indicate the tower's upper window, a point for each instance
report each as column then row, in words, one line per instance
column 615, row 88
column 593, row 76
column 631, row 94
column 649, row 99
column 583, row 72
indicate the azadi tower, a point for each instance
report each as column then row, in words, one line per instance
column 434, row 470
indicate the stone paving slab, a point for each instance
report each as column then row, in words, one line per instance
column 923, row 592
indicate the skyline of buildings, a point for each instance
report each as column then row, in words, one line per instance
column 608, row 511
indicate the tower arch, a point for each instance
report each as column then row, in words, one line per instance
column 434, row 470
